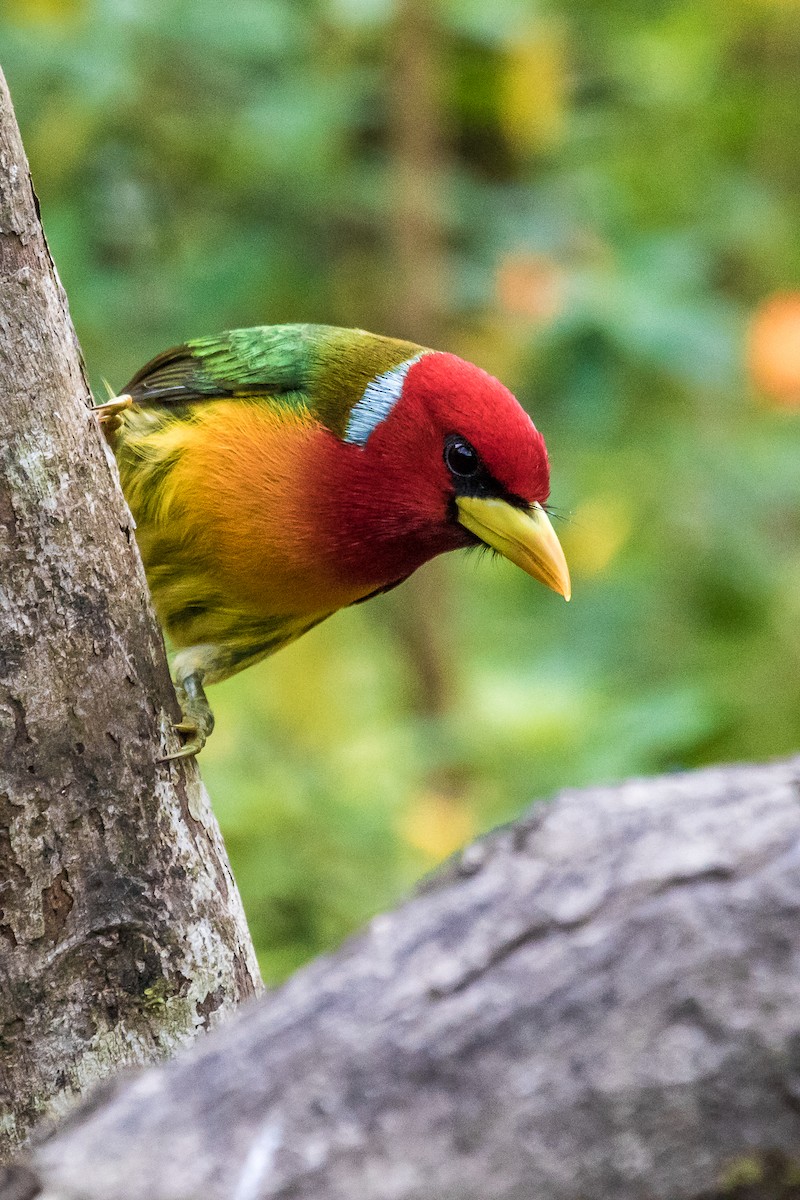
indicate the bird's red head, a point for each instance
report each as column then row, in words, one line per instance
column 448, row 401
column 439, row 455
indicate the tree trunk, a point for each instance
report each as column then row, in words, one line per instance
column 419, row 153
column 121, row 929
column 600, row 1001
column 416, row 296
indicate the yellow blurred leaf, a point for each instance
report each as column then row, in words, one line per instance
column 437, row 825
column 533, row 89
column 58, row 142
column 495, row 344
column 599, row 529
column 42, row 12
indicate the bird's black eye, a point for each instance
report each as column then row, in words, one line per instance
column 460, row 458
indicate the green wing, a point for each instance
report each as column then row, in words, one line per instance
column 270, row 360
column 321, row 367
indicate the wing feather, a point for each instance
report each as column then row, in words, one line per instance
column 320, row 367
column 269, row 360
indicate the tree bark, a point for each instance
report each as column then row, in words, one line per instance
column 601, row 1001
column 121, row 929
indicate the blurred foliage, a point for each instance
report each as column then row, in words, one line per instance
column 620, row 193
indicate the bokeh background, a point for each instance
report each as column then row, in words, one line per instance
column 596, row 200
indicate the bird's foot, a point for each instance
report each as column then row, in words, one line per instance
column 108, row 413
column 198, row 720
column 195, row 737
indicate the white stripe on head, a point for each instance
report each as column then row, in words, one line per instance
column 380, row 396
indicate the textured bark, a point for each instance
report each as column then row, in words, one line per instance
column 601, row 1001
column 121, row 929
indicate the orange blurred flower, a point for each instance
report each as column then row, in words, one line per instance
column 530, row 285
column 773, row 351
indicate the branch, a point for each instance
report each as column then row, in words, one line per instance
column 121, row 929
column 603, row 1000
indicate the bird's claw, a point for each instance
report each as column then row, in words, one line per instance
column 195, row 730
column 108, row 413
column 195, row 737
column 197, row 721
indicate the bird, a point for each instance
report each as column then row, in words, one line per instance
column 279, row 473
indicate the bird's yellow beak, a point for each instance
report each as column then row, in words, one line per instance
column 526, row 538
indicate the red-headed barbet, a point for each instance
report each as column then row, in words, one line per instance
column 277, row 474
